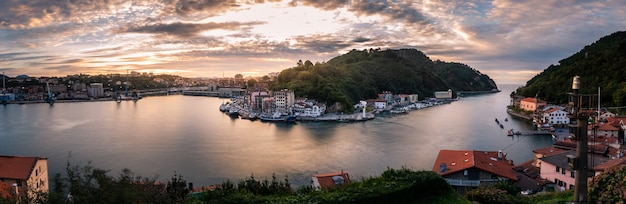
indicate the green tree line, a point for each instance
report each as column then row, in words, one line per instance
column 362, row 74
column 600, row 64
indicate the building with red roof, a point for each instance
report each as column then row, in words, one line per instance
column 532, row 104
column 471, row 168
column 330, row 180
column 29, row 174
column 545, row 152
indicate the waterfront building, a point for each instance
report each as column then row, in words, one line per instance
column 95, row 90
column 472, row 168
column 284, row 100
column 230, row 92
column 443, row 94
column 555, row 116
column 413, row 98
column 28, row 174
column 403, row 99
column 309, row 108
column 532, row 104
column 330, row 180
column 377, row 103
column 256, row 99
column 387, row 96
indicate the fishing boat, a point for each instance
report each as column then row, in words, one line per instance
column 277, row 117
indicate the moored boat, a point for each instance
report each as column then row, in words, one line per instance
column 277, row 117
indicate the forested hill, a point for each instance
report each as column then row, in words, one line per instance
column 363, row 74
column 601, row 64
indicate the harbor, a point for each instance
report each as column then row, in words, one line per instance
column 190, row 136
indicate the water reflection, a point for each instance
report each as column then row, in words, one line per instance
column 190, row 136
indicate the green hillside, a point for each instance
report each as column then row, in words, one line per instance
column 601, row 64
column 363, row 74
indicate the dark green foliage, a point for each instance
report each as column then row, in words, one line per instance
column 600, row 64
column 88, row 184
column 359, row 75
column 488, row 195
column 609, row 186
column 394, row 186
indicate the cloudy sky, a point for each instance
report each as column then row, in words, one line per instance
column 510, row 40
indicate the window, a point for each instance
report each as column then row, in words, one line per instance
column 573, row 174
column 563, row 171
column 571, row 187
column 558, row 169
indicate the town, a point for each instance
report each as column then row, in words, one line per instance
column 551, row 169
column 249, row 98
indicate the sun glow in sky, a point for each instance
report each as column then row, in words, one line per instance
column 511, row 41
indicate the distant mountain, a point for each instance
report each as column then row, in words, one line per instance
column 601, row 64
column 359, row 75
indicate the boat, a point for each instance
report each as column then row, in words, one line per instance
column 501, row 126
column 506, row 119
column 233, row 112
column 127, row 96
column 277, row 117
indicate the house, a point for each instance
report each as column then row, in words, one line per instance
column 413, row 98
column 545, row 152
column 528, row 179
column 532, row 104
column 377, row 103
column 472, row 168
column 556, row 169
column 555, row 116
column 605, row 115
column 604, row 129
column 330, row 180
column 309, row 108
column 29, row 174
column 443, row 94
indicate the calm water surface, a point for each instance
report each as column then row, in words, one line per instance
column 189, row 135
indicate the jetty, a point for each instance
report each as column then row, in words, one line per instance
column 519, row 115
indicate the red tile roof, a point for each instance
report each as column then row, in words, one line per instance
column 551, row 110
column 459, row 160
column 326, row 180
column 532, row 100
column 549, row 151
column 613, row 162
column 16, row 167
column 608, row 127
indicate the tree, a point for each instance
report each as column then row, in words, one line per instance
column 609, row 186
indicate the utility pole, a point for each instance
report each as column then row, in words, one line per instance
column 578, row 133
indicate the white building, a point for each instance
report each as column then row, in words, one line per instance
column 443, row 94
column 309, row 108
column 555, row 116
column 284, row 100
column 95, row 90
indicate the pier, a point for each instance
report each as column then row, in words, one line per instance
column 519, row 115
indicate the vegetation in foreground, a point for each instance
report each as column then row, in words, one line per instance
column 88, row 184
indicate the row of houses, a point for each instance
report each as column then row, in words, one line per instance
column 549, row 169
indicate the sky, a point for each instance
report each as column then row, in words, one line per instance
column 509, row 40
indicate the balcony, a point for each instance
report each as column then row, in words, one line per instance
column 462, row 182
